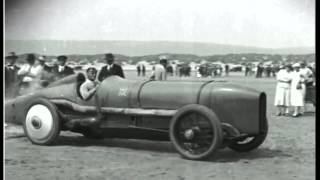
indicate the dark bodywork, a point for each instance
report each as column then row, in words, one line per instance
column 143, row 109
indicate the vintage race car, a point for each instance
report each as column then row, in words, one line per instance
column 198, row 117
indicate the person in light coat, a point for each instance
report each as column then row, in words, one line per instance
column 29, row 71
column 159, row 71
column 282, row 97
column 29, row 75
column 297, row 90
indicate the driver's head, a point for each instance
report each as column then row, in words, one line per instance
column 109, row 58
column 91, row 73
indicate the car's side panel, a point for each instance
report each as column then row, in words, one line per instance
column 169, row 94
column 134, row 94
column 114, row 92
column 15, row 109
column 155, row 122
column 125, row 121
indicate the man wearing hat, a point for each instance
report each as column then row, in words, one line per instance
column 11, row 74
column 47, row 75
column 42, row 62
column 62, row 69
column 110, row 69
column 159, row 70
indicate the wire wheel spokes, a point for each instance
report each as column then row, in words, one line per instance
column 195, row 134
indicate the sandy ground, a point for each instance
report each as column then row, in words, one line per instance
column 287, row 153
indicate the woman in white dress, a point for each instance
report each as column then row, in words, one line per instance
column 297, row 90
column 282, row 97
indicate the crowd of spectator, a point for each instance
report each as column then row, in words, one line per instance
column 293, row 81
column 34, row 73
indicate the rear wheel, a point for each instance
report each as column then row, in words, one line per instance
column 195, row 132
column 42, row 123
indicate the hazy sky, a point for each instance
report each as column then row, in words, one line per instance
column 262, row 23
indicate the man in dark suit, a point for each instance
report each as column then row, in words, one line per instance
column 110, row 69
column 62, row 69
column 11, row 75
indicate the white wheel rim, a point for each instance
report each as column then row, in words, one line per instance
column 39, row 122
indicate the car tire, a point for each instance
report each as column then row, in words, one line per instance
column 253, row 143
column 42, row 123
column 204, row 117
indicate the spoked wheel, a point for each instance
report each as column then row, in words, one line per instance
column 249, row 143
column 195, row 132
column 42, row 124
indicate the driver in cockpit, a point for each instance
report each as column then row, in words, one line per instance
column 89, row 87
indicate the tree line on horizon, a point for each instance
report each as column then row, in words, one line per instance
column 227, row 58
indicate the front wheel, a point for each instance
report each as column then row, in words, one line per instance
column 42, row 123
column 195, row 132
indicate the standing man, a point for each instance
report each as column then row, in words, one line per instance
column 268, row 70
column 227, row 69
column 63, row 70
column 29, row 74
column 247, row 70
column 139, row 69
column 42, row 62
column 143, row 70
column 11, row 75
column 159, row 72
column 259, row 70
column 47, row 75
column 110, row 69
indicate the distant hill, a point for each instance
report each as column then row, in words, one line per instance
column 139, row 48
